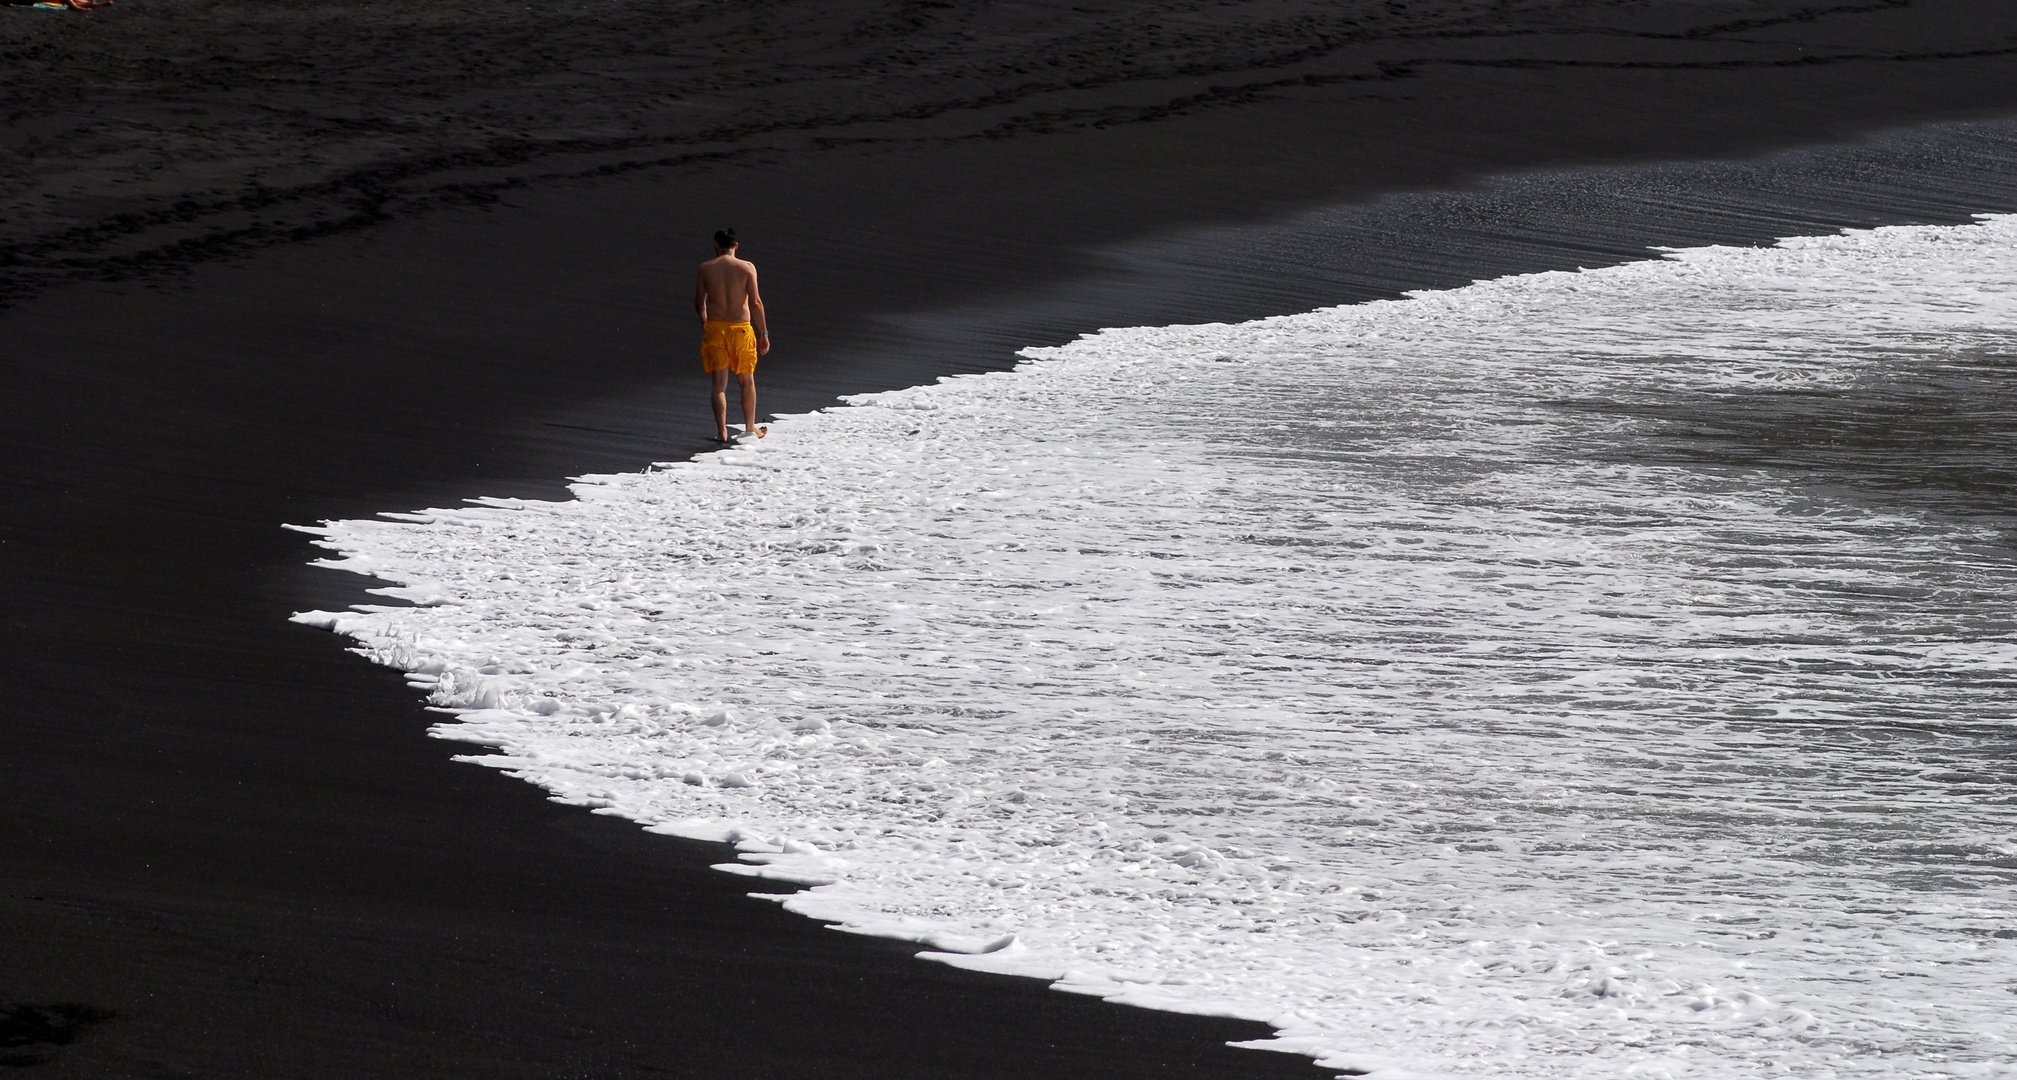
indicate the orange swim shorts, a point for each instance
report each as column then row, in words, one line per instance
column 727, row 345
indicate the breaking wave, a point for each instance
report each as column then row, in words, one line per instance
column 1570, row 675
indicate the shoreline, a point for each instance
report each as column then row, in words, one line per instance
column 240, row 842
column 882, row 473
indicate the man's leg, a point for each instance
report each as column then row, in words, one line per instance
column 721, row 403
column 748, row 379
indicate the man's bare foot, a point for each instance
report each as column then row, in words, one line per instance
column 762, row 431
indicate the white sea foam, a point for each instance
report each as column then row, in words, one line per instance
column 1353, row 671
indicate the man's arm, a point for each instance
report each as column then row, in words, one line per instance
column 700, row 295
column 756, row 315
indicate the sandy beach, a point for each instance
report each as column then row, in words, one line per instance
column 296, row 261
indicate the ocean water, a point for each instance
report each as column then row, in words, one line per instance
column 1593, row 674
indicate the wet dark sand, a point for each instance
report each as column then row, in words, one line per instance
column 236, row 839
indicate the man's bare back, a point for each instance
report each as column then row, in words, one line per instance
column 726, row 298
column 726, row 291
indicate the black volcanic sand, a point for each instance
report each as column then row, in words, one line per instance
column 285, row 261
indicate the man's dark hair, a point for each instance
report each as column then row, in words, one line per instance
column 725, row 239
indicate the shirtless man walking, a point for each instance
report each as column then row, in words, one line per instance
column 725, row 296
